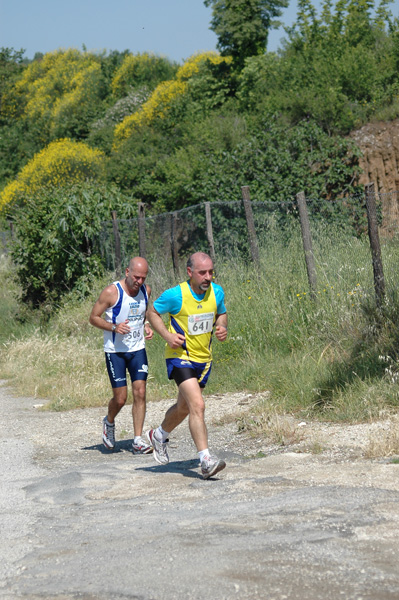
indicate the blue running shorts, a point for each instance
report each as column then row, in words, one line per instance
column 182, row 369
column 117, row 363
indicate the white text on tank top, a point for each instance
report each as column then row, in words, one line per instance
column 126, row 308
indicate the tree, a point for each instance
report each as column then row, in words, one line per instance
column 242, row 26
column 338, row 69
column 11, row 65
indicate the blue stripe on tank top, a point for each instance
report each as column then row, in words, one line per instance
column 117, row 308
column 144, row 290
column 178, row 329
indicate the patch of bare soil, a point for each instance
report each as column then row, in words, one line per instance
column 225, row 414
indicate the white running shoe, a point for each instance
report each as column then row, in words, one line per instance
column 160, row 448
column 108, row 434
column 211, row 465
column 141, row 447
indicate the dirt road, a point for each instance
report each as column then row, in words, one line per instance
column 78, row 522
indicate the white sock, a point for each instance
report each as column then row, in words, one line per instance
column 137, row 439
column 161, row 434
column 202, row 454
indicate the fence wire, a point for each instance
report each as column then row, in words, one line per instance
column 338, row 226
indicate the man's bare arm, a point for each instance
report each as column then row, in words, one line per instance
column 106, row 299
column 174, row 340
column 221, row 327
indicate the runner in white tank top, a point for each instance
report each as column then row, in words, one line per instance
column 125, row 309
column 120, row 312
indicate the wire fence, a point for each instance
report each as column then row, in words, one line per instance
column 256, row 231
column 223, row 230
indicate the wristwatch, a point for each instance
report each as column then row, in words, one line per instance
column 113, row 327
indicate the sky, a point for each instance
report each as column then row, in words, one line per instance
column 172, row 28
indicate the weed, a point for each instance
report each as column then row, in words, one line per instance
column 335, row 358
column 385, row 442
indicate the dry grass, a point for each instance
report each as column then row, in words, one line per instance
column 276, row 428
column 384, row 441
column 67, row 373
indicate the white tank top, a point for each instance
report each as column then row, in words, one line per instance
column 128, row 307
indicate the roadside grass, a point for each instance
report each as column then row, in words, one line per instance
column 385, row 442
column 62, row 361
column 332, row 358
column 16, row 321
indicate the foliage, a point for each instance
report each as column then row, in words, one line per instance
column 16, row 320
column 163, row 96
column 101, row 133
column 338, row 69
column 61, row 162
column 220, row 154
column 335, row 358
column 133, row 165
column 141, row 70
column 59, row 94
column 11, row 65
column 242, row 26
column 47, row 87
column 209, row 128
column 53, row 252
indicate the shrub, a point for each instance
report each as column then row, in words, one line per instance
column 61, row 162
column 142, row 69
column 44, row 82
column 53, row 252
column 163, row 96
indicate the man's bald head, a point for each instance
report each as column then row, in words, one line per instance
column 136, row 274
column 138, row 261
column 197, row 257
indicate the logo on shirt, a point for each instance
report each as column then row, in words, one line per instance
column 199, row 306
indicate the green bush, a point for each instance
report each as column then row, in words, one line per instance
column 53, row 252
column 141, row 70
column 276, row 161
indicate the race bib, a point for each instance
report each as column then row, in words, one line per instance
column 202, row 323
column 136, row 330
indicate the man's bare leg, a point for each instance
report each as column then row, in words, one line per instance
column 189, row 402
column 116, row 403
column 138, row 407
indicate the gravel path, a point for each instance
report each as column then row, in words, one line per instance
column 79, row 522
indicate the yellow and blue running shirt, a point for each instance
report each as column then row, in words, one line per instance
column 192, row 315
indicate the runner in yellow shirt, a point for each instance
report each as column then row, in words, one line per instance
column 196, row 310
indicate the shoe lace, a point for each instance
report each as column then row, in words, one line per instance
column 161, row 446
column 140, row 443
column 110, row 432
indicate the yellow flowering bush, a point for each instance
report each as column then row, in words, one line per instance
column 141, row 69
column 163, row 96
column 64, row 81
column 83, row 92
column 63, row 161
